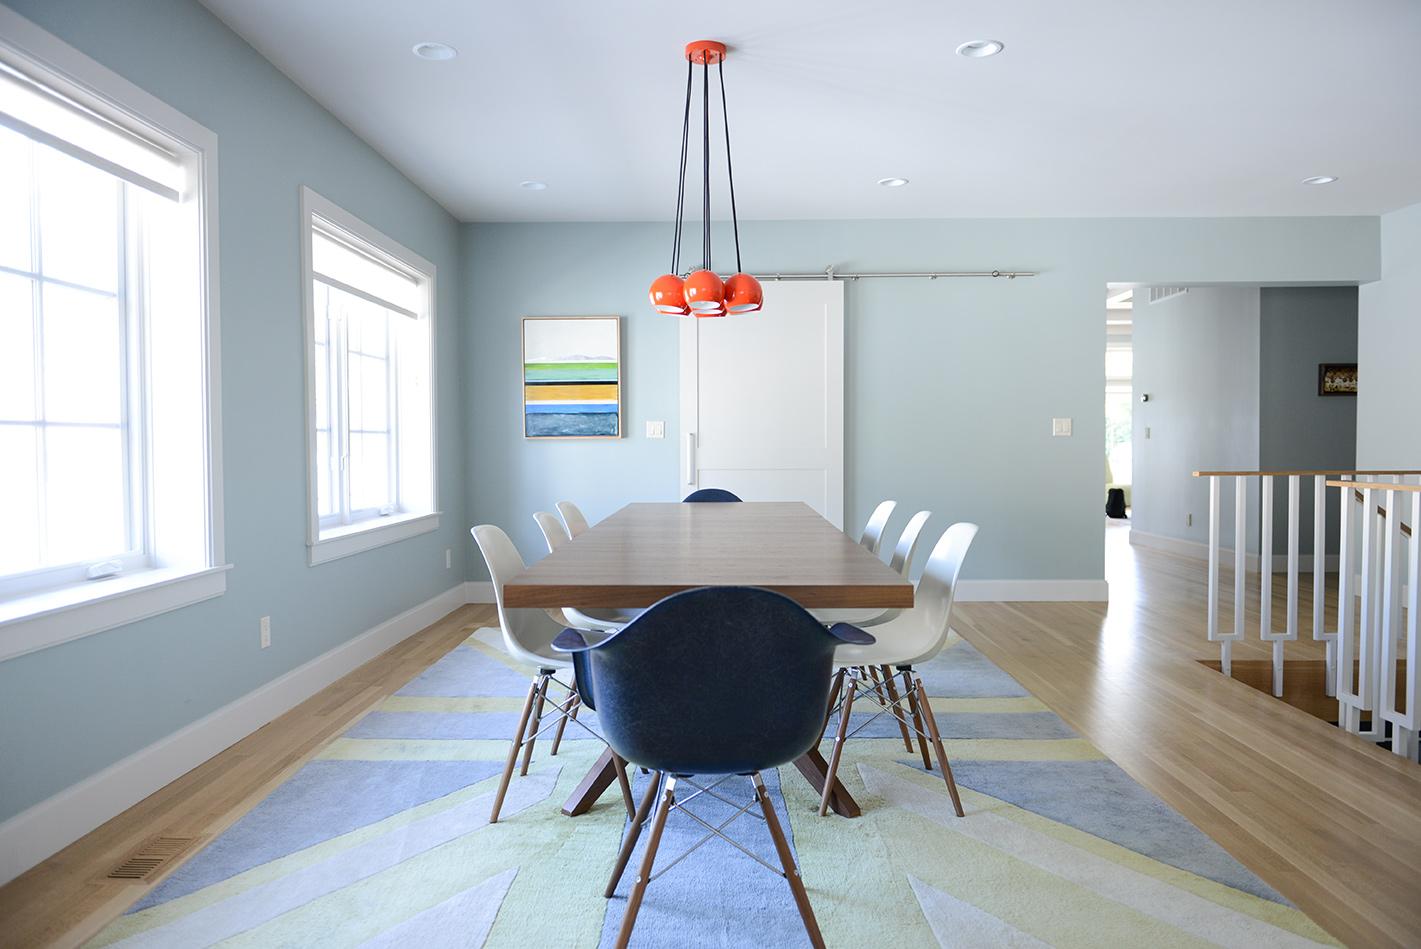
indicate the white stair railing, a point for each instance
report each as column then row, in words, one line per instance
column 1381, row 568
column 1366, row 642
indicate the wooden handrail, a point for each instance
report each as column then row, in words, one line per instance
column 1328, row 472
column 1357, row 496
column 1382, row 486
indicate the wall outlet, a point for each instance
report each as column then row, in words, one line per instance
column 655, row 429
column 1060, row 427
column 1189, row 520
column 448, row 558
column 266, row 631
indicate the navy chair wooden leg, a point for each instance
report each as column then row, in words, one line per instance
column 648, row 861
column 633, row 833
column 791, row 869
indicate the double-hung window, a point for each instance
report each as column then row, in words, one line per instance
column 370, row 385
column 108, row 447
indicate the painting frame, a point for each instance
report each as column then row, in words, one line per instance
column 1337, row 379
column 557, row 372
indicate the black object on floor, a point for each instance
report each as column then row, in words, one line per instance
column 1115, row 502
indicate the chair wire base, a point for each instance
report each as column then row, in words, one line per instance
column 663, row 786
column 877, row 685
column 526, row 734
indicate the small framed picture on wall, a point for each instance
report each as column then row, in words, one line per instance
column 1337, row 378
column 572, row 377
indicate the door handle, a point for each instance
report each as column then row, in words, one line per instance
column 690, row 457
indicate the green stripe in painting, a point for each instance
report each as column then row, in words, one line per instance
column 569, row 365
column 569, row 375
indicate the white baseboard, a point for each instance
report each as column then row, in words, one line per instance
column 1197, row 551
column 969, row 591
column 51, row 825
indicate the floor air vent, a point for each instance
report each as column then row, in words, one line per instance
column 152, row 855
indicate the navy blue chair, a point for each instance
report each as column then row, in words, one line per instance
column 709, row 494
column 660, row 710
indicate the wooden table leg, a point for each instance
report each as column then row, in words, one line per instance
column 604, row 771
column 599, row 779
column 815, row 770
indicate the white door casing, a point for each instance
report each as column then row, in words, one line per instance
column 762, row 399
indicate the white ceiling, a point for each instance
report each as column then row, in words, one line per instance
column 1098, row 108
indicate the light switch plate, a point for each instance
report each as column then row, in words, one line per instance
column 655, row 429
column 1061, row 427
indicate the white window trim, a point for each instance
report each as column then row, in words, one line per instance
column 45, row 619
column 375, row 532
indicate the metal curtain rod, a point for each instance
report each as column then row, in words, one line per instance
column 829, row 273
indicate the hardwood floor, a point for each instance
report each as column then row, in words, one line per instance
column 1332, row 822
column 67, row 899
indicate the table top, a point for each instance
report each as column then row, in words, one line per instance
column 648, row 551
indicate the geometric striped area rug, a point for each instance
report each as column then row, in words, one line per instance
column 382, row 840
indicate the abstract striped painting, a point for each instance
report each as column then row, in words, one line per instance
column 572, row 377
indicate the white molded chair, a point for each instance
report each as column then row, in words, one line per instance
column 573, row 517
column 555, row 535
column 902, row 562
column 914, row 636
column 872, row 536
column 527, row 637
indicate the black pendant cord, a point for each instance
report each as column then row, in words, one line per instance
column 729, row 169
column 705, row 126
column 681, row 187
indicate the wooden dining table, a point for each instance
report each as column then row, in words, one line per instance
column 647, row 551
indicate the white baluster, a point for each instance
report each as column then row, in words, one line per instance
column 1385, row 708
column 1319, row 581
column 1342, row 687
column 1265, row 559
column 1213, row 599
column 1240, row 567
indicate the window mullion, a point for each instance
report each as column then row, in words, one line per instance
column 37, row 337
column 343, row 401
column 392, row 408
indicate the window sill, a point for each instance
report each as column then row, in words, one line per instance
column 367, row 535
column 35, row 622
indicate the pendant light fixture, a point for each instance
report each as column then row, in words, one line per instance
column 703, row 293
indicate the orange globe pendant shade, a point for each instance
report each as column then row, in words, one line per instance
column 668, row 295
column 743, row 294
column 705, row 291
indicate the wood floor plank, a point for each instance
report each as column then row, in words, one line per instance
column 66, row 900
column 1330, row 821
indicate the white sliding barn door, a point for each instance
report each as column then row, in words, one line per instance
column 762, row 399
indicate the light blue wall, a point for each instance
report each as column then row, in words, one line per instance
column 951, row 383
column 1389, row 331
column 1196, row 356
column 73, row 709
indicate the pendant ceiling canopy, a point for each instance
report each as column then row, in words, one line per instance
column 703, row 293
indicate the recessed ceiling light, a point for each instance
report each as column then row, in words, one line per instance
column 1320, row 180
column 980, row 49
column 893, row 182
column 531, row 185
column 434, row 51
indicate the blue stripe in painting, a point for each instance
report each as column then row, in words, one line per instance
column 547, row 425
column 568, row 408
